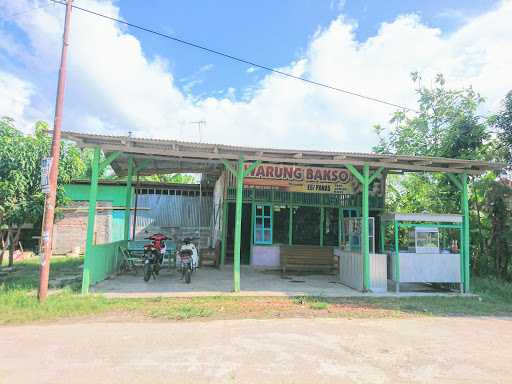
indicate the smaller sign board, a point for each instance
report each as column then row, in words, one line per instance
column 45, row 174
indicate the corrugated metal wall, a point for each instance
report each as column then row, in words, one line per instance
column 173, row 214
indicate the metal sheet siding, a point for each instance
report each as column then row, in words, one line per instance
column 351, row 268
column 173, row 211
column 378, row 272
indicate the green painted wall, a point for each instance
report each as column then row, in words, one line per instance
column 116, row 194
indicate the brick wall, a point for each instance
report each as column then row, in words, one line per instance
column 70, row 229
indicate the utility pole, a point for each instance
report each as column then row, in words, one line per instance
column 49, row 212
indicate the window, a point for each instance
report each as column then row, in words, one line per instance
column 262, row 224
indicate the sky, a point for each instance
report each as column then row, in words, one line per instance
column 124, row 80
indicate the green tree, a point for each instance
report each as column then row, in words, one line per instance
column 173, row 178
column 502, row 122
column 21, row 199
column 447, row 125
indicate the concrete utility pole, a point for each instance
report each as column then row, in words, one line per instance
column 49, row 212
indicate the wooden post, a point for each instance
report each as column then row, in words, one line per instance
column 224, row 231
column 397, row 256
column 240, row 174
column 290, row 226
column 365, row 228
column 89, row 242
column 322, row 219
column 128, row 200
column 465, row 222
column 238, row 224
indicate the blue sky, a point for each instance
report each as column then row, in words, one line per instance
column 267, row 31
column 121, row 79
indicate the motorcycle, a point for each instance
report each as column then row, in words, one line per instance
column 188, row 259
column 154, row 255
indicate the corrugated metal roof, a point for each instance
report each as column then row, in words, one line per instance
column 176, row 156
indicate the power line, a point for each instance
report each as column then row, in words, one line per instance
column 231, row 57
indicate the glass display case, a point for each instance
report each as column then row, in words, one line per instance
column 424, row 240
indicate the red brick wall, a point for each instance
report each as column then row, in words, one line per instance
column 70, row 229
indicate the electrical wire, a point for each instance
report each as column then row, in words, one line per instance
column 234, row 58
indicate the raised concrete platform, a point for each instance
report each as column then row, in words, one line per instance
column 219, row 282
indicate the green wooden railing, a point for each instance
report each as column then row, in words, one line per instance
column 304, row 198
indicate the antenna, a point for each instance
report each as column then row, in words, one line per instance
column 199, row 123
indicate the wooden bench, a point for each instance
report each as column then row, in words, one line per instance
column 307, row 258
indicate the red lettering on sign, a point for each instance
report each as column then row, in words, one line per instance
column 260, row 172
column 270, row 171
column 288, row 173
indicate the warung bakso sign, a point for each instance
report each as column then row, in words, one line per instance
column 302, row 179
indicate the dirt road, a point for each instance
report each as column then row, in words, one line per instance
column 417, row 350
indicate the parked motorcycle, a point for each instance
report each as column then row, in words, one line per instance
column 154, row 255
column 187, row 259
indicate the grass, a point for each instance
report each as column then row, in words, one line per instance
column 181, row 312
column 18, row 302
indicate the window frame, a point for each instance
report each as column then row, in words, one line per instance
column 263, row 229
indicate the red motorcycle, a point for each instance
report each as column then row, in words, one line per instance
column 154, row 255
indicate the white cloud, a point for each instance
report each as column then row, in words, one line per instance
column 114, row 87
column 15, row 97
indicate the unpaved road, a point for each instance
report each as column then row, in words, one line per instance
column 413, row 350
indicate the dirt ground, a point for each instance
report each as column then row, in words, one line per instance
column 410, row 350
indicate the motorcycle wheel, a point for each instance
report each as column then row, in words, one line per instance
column 147, row 272
column 187, row 276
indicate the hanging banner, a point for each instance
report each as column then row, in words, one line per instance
column 303, row 178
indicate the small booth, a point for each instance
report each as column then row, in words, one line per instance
column 424, row 248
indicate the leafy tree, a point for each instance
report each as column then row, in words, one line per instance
column 21, row 199
column 502, row 121
column 448, row 125
column 173, row 178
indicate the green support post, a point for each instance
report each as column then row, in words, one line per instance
column 290, row 226
column 465, row 225
column 340, row 225
column 365, row 179
column 322, row 219
column 461, row 182
column 93, row 193
column 128, row 201
column 224, row 232
column 240, row 174
column 253, row 215
column 238, row 225
column 364, row 229
column 397, row 257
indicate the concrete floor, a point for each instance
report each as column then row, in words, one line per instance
column 209, row 281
